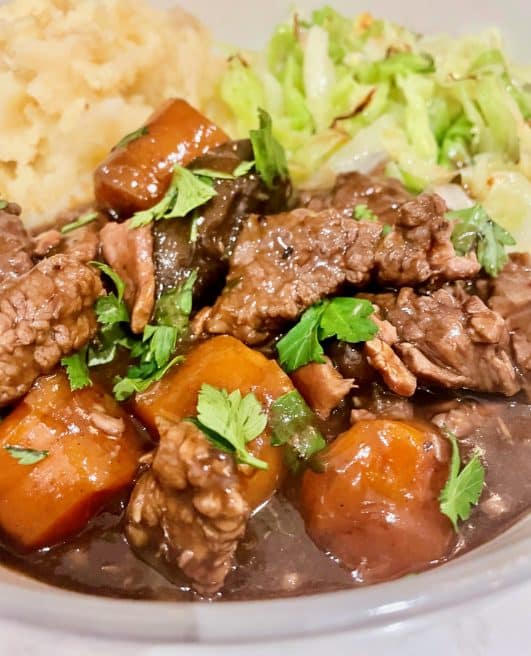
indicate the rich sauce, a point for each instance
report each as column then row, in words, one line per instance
column 277, row 558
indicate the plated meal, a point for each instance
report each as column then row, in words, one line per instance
column 274, row 337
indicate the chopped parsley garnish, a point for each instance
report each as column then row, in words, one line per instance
column 174, row 307
column 475, row 230
column 293, row 425
column 230, row 421
column 363, row 213
column 187, row 191
column 152, row 351
column 463, row 488
column 132, row 136
column 387, row 229
column 111, row 308
column 243, row 168
column 345, row 318
column 77, row 369
column 270, row 158
column 25, row 456
column 3, row 204
column 212, row 174
column 83, row 220
column 140, row 377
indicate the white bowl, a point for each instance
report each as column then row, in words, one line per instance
column 499, row 564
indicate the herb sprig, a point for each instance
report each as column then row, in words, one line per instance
column 25, row 456
column 230, row 421
column 82, row 220
column 463, row 487
column 346, row 318
column 475, row 230
column 153, row 351
column 187, row 192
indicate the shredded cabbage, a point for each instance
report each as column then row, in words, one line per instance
column 350, row 94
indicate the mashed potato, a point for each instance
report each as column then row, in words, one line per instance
column 75, row 76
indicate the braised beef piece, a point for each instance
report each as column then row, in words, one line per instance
column 383, row 196
column 130, row 253
column 82, row 243
column 218, row 224
column 374, row 401
column 187, row 513
column 282, row 264
column 46, row 314
column 449, row 339
column 419, row 249
column 510, row 296
column 322, row 386
column 351, row 362
column 15, row 246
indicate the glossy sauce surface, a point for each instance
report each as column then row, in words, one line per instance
column 277, row 557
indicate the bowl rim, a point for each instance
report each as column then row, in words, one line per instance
column 488, row 569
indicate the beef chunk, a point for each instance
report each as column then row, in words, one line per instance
column 383, row 196
column 218, row 226
column 450, row 340
column 419, row 249
column 44, row 316
column 187, row 513
column 510, row 296
column 322, row 386
column 82, row 243
column 15, row 246
column 396, row 375
column 130, row 253
column 284, row 263
column 375, row 402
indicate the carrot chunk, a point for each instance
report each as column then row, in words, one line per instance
column 226, row 363
column 136, row 175
column 92, row 452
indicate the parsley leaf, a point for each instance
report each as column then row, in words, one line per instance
column 109, row 338
column 186, row 192
column 3, row 204
column 110, row 273
column 212, row 174
column 243, row 168
column 292, row 424
column 463, row 488
column 475, row 230
column 346, row 318
column 231, row 420
column 82, row 220
column 110, row 310
column 126, row 387
column 162, row 340
column 174, row 307
column 25, row 456
column 363, row 213
column 132, row 136
column 301, row 344
column 77, row 369
column 269, row 155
